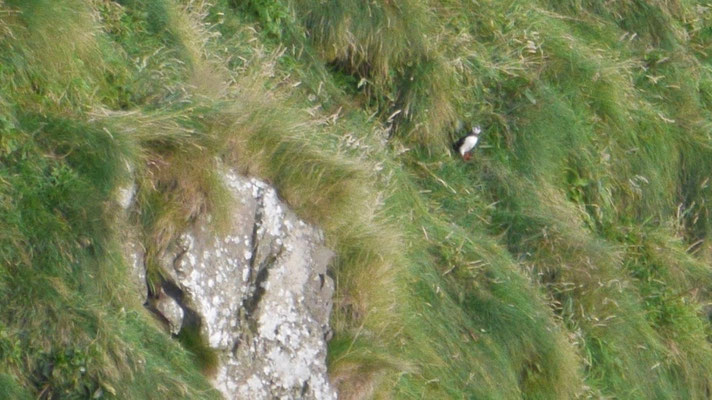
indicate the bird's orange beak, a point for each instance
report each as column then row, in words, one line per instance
column 467, row 156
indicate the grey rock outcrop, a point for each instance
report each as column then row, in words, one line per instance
column 131, row 245
column 260, row 294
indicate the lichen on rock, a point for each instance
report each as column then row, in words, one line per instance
column 261, row 293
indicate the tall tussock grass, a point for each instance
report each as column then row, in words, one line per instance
column 70, row 323
column 601, row 142
column 369, row 39
column 569, row 259
column 387, row 47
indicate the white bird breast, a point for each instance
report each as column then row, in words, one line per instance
column 469, row 144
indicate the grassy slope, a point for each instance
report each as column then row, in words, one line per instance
column 570, row 258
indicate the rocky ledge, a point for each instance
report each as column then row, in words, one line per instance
column 259, row 295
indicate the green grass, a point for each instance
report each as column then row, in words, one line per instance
column 570, row 258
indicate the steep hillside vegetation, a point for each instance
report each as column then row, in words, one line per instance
column 570, row 257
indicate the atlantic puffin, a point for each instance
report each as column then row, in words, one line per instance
column 465, row 144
